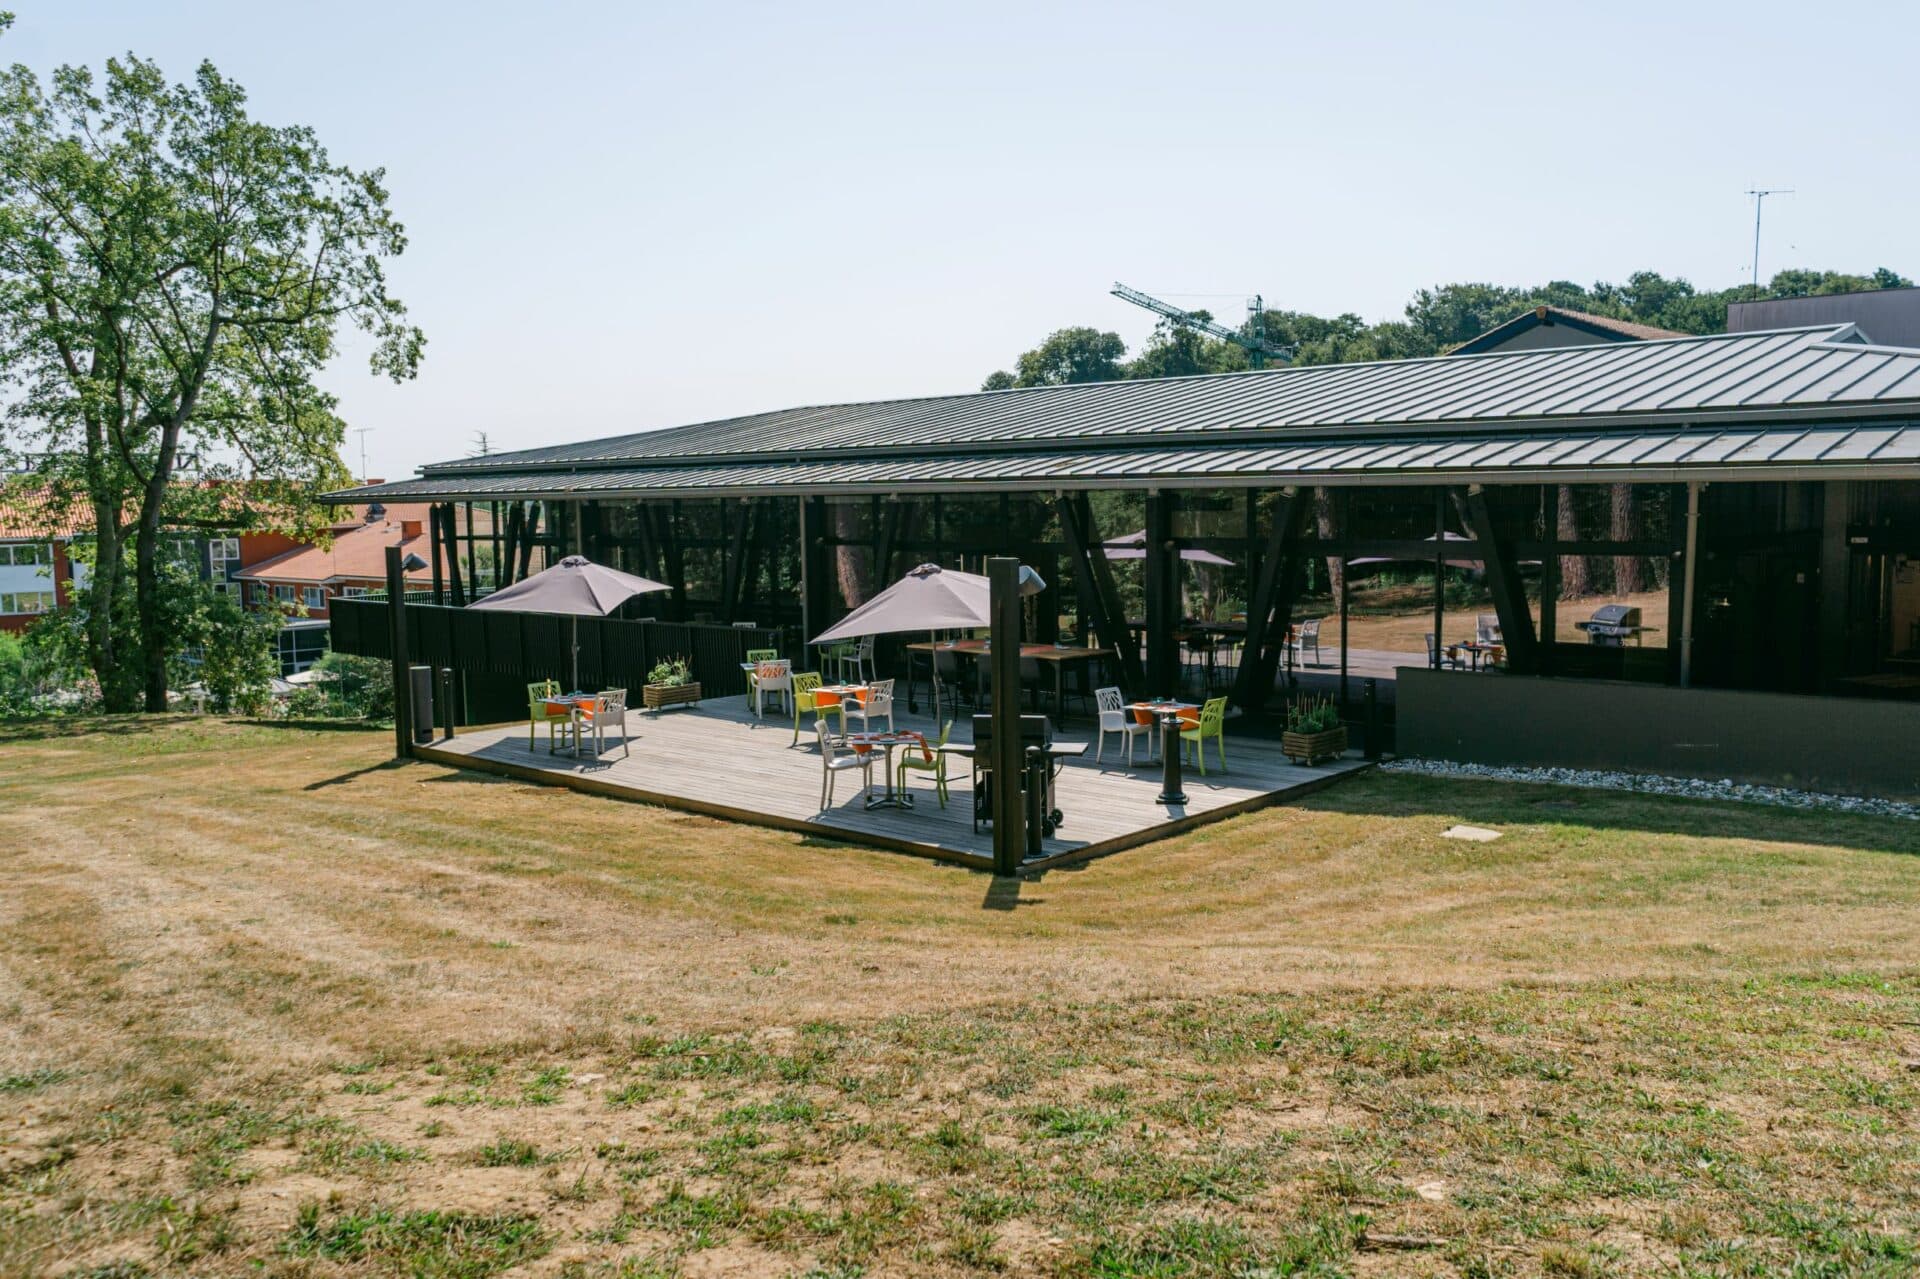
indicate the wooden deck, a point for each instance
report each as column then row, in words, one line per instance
column 716, row 758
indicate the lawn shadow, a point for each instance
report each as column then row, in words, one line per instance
column 55, row 727
column 322, row 725
column 1003, row 893
column 343, row 778
column 1493, row 802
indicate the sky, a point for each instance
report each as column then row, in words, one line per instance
column 625, row 216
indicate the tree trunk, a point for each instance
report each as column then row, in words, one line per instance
column 1628, row 572
column 1573, row 568
column 117, row 691
column 1324, row 524
column 851, row 562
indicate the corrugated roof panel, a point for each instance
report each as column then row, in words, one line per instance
column 1904, row 447
column 1861, row 444
column 1676, row 448
column 1721, row 449
column 1812, row 446
column 1764, row 447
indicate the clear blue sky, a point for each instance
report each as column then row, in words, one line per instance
column 626, row 216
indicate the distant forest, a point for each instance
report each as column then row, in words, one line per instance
column 1437, row 320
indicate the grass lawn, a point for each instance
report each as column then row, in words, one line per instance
column 269, row 1004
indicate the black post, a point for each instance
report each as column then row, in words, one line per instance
column 397, row 642
column 1173, row 788
column 815, row 589
column 1373, row 718
column 1549, row 577
column 443, row 697
column 1163, row 597
column 1439, row 576
column 1008, row 760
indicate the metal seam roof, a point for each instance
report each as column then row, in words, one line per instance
column 1815, row 370
column 1705, row 452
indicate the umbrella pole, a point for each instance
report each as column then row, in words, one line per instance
column 933, row 666
column 576, row 654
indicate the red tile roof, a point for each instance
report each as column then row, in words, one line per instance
column 358, row 554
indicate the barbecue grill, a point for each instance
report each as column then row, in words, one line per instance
column 1612, row 625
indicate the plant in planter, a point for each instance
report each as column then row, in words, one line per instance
column 1314, row 731
column 670, row 683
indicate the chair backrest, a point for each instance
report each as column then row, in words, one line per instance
column 946, row 662
column 865, row 647
column 879, row 694
column 1213, row 714
column 762, row 654
column 540, row 691
column 946, row 731
column 770, row 671
column 1429, row 646
column 1030, row 670
column 1112, row 708
column 827, row 751
column 614, row 699
column 804, row 686
column 1486, row 628
column 1310, row 630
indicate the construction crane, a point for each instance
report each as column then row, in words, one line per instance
column 1259, row 350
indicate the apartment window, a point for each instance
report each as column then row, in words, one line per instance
column 352, row 592
column 283, row 595
column 26, row 602
column 224, row 554
column 26, row 553
column 314, row 597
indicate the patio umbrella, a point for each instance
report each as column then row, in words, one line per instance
column 577, row 587
column 930, row 599
column 1451, row 538
column 1134, row 547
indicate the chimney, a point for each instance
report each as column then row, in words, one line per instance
column 409, row 529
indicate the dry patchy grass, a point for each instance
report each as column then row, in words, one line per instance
column 269, row 1003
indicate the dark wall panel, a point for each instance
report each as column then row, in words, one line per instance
column 1851, row 747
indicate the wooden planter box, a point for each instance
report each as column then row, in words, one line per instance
column 656, row 696
column 1311, row 748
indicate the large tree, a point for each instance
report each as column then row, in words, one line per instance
column 1068, row 355
column 173, row 275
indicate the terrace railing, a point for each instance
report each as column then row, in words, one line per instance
column 530, row 646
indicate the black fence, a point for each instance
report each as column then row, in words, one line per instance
column 535, row 646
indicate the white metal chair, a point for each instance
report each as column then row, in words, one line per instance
column 1306, row 636
column 833, row 761
column 879, row 705
column 609, row 708
column 861, row 659
column 775, row 677
column 1486, row 629
column 1115, row 718
column 1451, row 657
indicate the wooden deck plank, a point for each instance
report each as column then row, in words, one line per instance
column 719, row 759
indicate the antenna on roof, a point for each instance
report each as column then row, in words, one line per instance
column 481, row 445
column 361, row 431
column 1759, row 203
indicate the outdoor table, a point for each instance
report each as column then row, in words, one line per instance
column 571, row 705
column 885, row 742
column 1171, row 715
column 1474, row 650
column 1059, row 655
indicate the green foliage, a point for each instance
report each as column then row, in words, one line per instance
column 671, row 672
column 1068, row 355
column 227, row 650
column 1312, row 715
column 173, row 274
column 37, row 670
column 1436, row 320
column 348, row 687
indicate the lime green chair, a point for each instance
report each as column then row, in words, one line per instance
column 537, row 712
column 805, row 687
column 763, row 655
column 1212, row 723
column 910, row 758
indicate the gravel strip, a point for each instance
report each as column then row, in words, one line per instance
column 1654, row 784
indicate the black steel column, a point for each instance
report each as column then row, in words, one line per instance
column 1439, row 576
column 397, row 644
column 1008, row 760
column 1836, row 561
column 814, row 584
column 1163, row 598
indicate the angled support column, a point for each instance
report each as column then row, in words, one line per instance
column 1163, row 598
column 1009, row 763
column 1095, row 591
column 1503, row 582
column 1270, row 611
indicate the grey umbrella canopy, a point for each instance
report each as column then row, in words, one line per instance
column 930, row 598
column 577, row 587
column 1134, row 547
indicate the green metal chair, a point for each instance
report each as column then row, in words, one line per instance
column 1212, row 723
column 911, row 758
column 763, row 655
column 805, row 687
column 537, row 712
